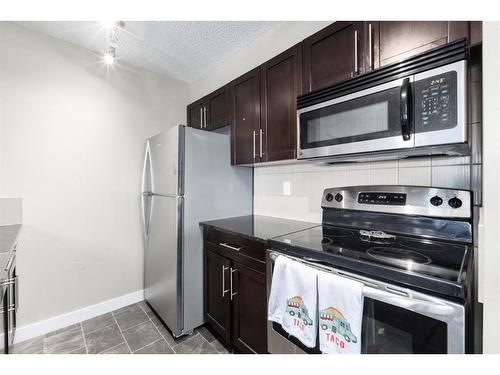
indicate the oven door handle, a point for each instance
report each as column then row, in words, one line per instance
column 434, row 308
column 405, row 116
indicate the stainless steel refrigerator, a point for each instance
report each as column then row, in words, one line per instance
column 187, row 178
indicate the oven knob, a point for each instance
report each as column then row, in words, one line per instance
column 436, row 201
column 338, row 197
column 455, row 202
column 329, row 197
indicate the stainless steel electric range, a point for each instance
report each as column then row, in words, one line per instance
column 411, row 247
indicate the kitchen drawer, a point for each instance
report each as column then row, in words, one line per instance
column 233, row 244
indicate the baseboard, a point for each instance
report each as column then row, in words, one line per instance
column 61, row 321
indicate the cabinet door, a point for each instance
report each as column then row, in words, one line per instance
column 218, row 109
column 246, row 117
column 249, row 309
column 195, row 115
column 217, row 299
column 332, row 55
column 397, row 40
column 280, row 86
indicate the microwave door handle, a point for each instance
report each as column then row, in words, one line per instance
column 406, row 109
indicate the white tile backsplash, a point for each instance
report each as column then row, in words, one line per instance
column 357, row 176
column 451, row 176
column 387, row 176
column 418, row 176
column 307, row 181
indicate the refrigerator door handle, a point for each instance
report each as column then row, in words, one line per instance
column 145, row 195
column 145, row 217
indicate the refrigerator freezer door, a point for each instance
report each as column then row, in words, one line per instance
column 166, row 160
column 163, row 261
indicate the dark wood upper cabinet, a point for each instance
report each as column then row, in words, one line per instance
column 332, row 55
column 245, row 102
column 476, row 32
column 195, row 114
column 217, row 306
column 281, row 84
column 218, row 108
column 249, row 309
column 210, row 112
column 394, row 41
column 260, row 105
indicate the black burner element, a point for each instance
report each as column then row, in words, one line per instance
column 391, row 253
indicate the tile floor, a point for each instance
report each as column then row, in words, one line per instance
column 132, row 329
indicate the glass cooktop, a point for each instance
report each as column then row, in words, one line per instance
column 418, row 256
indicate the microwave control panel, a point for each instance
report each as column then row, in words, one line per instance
column 436, row 102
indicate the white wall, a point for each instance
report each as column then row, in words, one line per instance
column 491, row 200
column 11, row 210
column 277, row 40
column 72, row 139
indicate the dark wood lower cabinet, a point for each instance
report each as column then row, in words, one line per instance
column 217, row 299
column 249, row 310
column 235, row 296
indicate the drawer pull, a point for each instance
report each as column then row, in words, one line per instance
column 227, row 246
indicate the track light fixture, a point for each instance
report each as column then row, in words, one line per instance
column 112, row 39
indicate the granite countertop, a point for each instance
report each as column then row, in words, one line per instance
column 8, row 238
column 258, row 227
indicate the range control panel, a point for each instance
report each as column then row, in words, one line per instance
column 436, row 102
column 406, row 200
column 382, row 198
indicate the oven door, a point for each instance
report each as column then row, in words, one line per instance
column 375, row 119
column 395, row 320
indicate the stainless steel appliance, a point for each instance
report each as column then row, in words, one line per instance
column 417, row 106
column 411, row 248
column 187, row 178
column 9, row 302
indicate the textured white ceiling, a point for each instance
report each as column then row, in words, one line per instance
column 184, row 50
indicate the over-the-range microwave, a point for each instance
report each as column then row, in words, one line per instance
column 415, row 107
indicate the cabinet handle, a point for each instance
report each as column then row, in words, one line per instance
column 16, row 292
column 261, row 132
column 231, row 283
column 370, row 48
column 227, row 246
column 254, row 144
column 205, row 117
column 355, row 52
column 201, row 118
column 224, row 290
